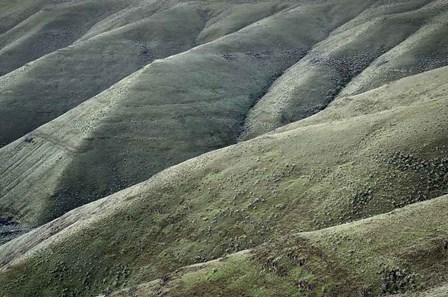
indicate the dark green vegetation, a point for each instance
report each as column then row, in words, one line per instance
column 233, row 86
column 352, row 161
column 191, row 99
column 381, row 255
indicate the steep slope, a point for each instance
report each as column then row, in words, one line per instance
column 407, row 33
column 398, row 252
column 170, row 111
column 113, row 49
column 423, row 51
column 12, row 14
column 52, row 27
column 174, row 108
column 364, row 155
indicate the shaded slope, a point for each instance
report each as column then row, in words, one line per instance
column 170, row 111
column 12, row 14
column 220, row 17
column 398, row 252
column 311, row 84
column 50, row 86
column 424, row 50
column 51, row 28
column 365, row 155
column 46, row 88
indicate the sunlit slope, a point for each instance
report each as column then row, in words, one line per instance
column 171, row 110
column 441, row 291
column 364, row 155
column 114, row 47
column 402, row 251
column 409, row 35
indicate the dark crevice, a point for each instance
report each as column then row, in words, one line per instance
column 347, row 70
column 344, row 80
column 10, row 228
column 255, row 97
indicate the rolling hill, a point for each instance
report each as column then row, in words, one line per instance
column 225, row 148
column 361, row 156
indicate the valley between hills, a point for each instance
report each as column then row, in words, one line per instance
column 224, row 148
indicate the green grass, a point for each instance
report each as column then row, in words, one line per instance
column 236, row 275
column 182, row 106
column 365, row 154
column 313, row 174
column 202, row 111
column 355, row 259
column 223, row 72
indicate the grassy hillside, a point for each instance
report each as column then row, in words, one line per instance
column 50, row 28
column 182, row 106
column 381, row 255
column 12, row 14
column 84, row 47
column 423, row 51
column 215, row 85
column 410, row 34
column 223, row 148
column 362, row 156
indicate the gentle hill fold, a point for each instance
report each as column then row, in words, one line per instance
column 338, row 261
column 363, row 155
column 224, row 148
